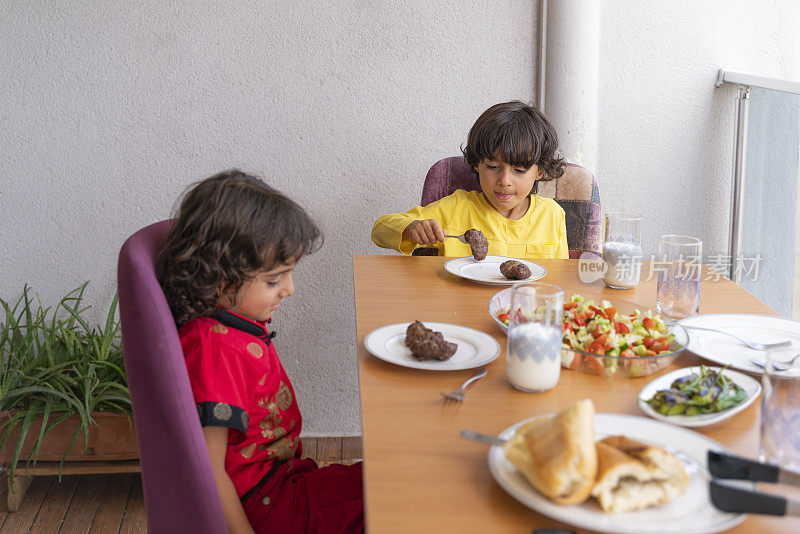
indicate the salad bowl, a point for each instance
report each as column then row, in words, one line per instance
column 637, row 342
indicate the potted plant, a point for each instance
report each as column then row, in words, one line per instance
column 63, row 391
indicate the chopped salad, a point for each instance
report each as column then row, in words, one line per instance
column 597, row 328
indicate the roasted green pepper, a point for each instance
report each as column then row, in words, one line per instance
column 695, row 394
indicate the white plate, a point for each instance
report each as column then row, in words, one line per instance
column 500, row 300
column 474, row 348
column 487, row 271
column 726, row 351
column 750, row 386
column 692, row 512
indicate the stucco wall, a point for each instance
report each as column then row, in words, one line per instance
column 666, row 133
column 108, row 112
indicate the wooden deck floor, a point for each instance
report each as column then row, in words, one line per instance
column 106, row 504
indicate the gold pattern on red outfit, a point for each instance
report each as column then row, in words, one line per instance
column 241, row 379
column 219, row 329
column 283, row 448
column 255, row 349
column 271, row 433
column 248, row 451
column 283, row 397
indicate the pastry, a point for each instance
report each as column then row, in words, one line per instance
column 557, row 454
column 634, row 475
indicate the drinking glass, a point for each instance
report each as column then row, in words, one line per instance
column 622, row 249
column 534, row 336
column 679, row 269
column 780, row 416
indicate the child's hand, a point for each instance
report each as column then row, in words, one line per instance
column 426, row 232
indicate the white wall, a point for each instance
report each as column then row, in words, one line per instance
column 666, row 133
column 108, row 112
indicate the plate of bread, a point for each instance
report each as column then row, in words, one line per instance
column 610, row 472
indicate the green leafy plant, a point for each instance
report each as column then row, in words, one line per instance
column 53, row 364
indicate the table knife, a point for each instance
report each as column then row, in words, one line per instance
column 732, row 499
column 722, row 465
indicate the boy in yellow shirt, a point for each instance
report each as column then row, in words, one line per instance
column 510, row 148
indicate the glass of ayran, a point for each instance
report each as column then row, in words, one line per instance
column 622, row 249
column 534, row 336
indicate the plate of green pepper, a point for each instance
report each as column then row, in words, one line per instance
column 698, row 396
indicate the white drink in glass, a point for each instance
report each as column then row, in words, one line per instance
column 622, row 249
column 534, row 356
column 623, row 264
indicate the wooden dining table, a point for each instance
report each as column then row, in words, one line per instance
column 419, row 474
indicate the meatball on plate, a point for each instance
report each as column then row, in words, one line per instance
column 471, row 348
column 489, row 271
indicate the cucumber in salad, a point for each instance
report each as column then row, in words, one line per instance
column 597, row 328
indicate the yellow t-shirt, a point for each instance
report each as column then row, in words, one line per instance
column 540, row 233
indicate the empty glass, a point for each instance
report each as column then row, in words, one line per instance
column 679, row 265
column 622, row 249
column 534, row 336
column 780, row 416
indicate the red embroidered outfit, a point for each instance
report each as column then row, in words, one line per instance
column 239, row 382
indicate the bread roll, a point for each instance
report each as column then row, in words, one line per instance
column 633, row 475
column 556, row 453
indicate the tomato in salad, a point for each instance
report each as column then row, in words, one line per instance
column 597, row 328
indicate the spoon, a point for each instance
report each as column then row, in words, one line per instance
column 778, row 366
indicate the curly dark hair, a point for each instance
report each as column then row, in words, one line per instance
column 228, row 228
column 522, row 135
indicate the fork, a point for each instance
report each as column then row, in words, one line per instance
column 778, row 366
column 752, row 344
column 482, row 438
column 459, row 237
column 457, row 395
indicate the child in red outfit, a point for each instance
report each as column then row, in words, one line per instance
column 225, row 269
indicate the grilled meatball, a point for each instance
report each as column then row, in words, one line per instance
column 415, row 329
column 425, row 344
column 514, row 270
column 477, row 243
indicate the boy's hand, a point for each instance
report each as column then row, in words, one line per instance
column 426, row 232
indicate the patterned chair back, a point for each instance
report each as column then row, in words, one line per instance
column 576, row 191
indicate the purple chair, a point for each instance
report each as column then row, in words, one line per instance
column 576, row 191
column 179, row 489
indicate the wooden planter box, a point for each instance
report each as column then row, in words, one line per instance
column 112, row 438
column 111, row 449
